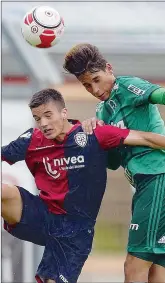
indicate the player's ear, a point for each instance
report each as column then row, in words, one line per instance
column 64, row 113
column 109, row 68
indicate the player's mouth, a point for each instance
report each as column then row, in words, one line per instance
column 103, row 96
column 48, row 132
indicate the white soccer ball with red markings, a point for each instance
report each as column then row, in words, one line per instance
column 42, row 27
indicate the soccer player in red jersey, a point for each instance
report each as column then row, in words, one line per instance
column 69, row 168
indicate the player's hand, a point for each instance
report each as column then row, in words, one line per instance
column 90, row 124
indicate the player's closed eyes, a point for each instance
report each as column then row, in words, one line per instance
column 38, row 119
column 86, row 86
column 96, row 80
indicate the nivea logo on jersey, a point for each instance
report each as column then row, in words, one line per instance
column 136, row 90
column 48, row 167
column 81, row 139
column 69, row 160
column 65, row 163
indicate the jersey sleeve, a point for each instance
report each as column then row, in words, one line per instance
column 16, row 150
column 110, row 136
column 137, row 91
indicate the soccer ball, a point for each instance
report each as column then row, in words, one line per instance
column 42, row 27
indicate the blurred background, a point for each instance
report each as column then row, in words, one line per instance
column 131, row 35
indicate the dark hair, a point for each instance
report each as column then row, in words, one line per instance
column 82, row 58
column 46, row 95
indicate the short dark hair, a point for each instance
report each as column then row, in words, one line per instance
column 82, row 58
column 46, row 95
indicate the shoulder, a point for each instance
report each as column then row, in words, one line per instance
column 37, row 133
column 38, row 138
column 134, row 85
column 25, row 138
column 127, row 80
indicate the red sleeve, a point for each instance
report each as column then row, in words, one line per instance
column 110, row 136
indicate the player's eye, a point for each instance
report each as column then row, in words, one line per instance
column 37, row 119
column 86, row 86
column 96, row 80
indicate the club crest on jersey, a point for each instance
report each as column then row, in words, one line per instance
column 136, row 90
column 81, row 139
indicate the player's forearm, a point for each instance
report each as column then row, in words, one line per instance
column 158, row 96
column 155, row 140
column 152, row 140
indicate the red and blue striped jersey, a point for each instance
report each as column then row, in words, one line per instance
column 71, row 175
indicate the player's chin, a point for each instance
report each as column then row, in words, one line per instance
column 103, row 97
column 106, row 96
column 50, row 136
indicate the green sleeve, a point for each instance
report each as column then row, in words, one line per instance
column 137, row 91
column 158, row 96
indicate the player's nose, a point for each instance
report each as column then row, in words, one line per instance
column 95, row 90
column 44, row 123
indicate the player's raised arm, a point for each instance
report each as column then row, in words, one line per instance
column 16, row 150
column 110, row 136
column 145, row 139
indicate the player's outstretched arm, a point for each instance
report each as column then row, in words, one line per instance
column 17, row 149
column 153, row 140
column 158, row 96
column 110, row 137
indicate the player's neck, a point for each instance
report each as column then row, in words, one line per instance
column 67, row 127
column 113, row 83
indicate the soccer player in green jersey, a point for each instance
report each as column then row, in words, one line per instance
column 129, row 102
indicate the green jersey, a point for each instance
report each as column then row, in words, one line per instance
column 128, row 107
